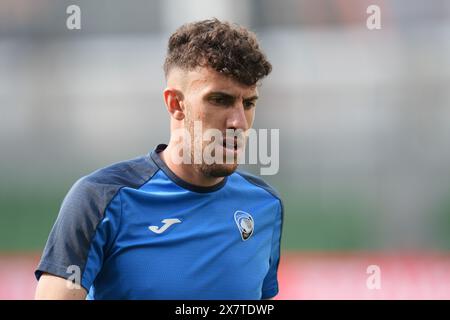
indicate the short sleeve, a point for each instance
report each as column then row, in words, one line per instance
column 270, row 284
column 83, row 231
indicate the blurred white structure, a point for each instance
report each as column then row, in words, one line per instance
column 362, row 114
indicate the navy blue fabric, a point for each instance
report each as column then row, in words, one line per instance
column 83, row 209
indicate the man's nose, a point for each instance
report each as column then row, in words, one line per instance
column 237, row 119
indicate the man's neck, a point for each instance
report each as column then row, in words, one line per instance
column 187, row 172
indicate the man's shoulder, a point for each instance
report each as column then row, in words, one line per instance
column 98, row 188
column 130, row 173
column 259, row 182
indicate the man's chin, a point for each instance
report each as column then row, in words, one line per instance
column 219, row 170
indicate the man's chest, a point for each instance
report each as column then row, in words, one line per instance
column 178, row 245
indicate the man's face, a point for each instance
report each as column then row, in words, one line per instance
column 217, row 102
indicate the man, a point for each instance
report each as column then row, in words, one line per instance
column 158, row 228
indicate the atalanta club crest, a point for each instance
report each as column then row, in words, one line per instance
column 245, row 224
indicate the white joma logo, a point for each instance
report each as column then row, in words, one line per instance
column 167, row 224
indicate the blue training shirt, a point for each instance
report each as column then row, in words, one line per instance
column 137, row 231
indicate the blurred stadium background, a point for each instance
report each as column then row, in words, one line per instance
column 364, row 119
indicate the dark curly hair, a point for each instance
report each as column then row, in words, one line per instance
column 227, row 48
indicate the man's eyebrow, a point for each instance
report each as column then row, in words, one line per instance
column 220, row 93
column 255, row 97
column 230, row 96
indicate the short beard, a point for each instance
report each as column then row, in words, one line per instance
column 216, row 170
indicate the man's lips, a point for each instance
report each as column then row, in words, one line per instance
column 231, row 144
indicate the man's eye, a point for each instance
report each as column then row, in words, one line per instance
column 221, row 101
column 218, row 100
column 249, row 104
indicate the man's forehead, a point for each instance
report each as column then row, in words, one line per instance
column 208, row 80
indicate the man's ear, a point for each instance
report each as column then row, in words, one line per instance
column 173, row 99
